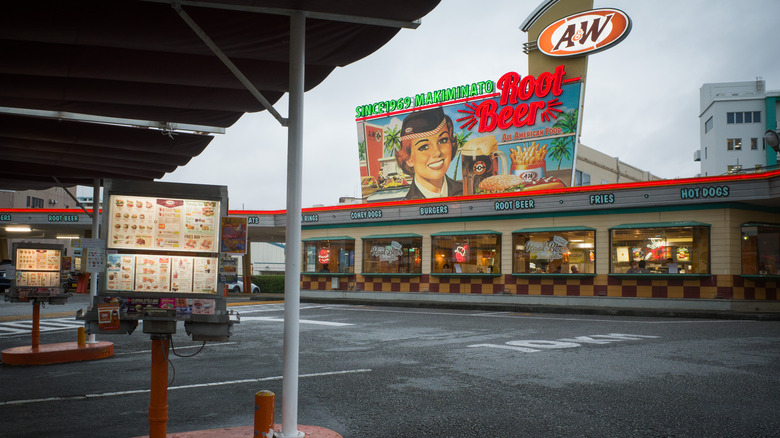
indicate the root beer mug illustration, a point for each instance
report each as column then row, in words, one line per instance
column 481, row 159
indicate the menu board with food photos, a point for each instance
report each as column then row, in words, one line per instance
column 30, row 259
column 146, row 223
column 38, row 267
column 156, row 273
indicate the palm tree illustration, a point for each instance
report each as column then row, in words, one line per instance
column 392, row 140
column 460, row 139
column 362, row 150
column 560, row 146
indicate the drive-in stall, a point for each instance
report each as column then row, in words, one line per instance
column 162, row 266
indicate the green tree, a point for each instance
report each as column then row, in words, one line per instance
column 560, row 146
column 362, row 150
column 560, row 149
column 460, row 139
column 567, row 121
column 392, row 140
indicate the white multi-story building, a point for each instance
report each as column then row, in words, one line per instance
column 733, row 119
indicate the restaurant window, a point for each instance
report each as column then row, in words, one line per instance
column 662, row 248
column 554, row 251
column 477, row 252
column 760, row 249
column 392, row 254
column 333, row 255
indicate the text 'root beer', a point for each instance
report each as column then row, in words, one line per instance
column 515, row 90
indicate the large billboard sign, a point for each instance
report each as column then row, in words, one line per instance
column 584, row 33
column 517, row 134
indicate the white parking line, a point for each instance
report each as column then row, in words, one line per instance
column 174, row 388
column 177, row 348
column 302, row 321
column 524, row 315
column 272, row 308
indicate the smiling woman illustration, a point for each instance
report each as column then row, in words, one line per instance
column 427, row 148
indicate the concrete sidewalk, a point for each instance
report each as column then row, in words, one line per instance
column 597, row 305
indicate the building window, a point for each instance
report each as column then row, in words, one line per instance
column 392, row 254
column 466, row 253
column 33, row 202
column 742, row 117
column 760, row 249
column 333, row 255
column 551, row 251
column 734, row 144
column 733, row 168
column 581, row 178
column 705, row 152
column 663, row 248
column 753, row 144
column 708, row 125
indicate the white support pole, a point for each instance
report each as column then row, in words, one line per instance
column 292, row 284
column 95, row 235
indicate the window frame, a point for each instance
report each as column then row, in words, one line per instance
column 708, row 125
column 753, row 229
column 555, row 231
column 663, row 226
column 317, row 264
column 435, row 253
column 393, row 237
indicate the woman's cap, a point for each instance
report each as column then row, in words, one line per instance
column 420, row 124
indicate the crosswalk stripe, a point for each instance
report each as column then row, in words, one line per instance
column 46, row 325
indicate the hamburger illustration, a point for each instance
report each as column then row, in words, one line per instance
column 501, row 184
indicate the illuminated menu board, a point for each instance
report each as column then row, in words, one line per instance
column 158, row 273
column 145, row 223
column 38, row 267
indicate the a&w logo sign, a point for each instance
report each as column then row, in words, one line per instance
column 585, row 32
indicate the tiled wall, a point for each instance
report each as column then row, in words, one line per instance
column 716, row 286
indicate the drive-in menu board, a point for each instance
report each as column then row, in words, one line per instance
column 138, row 222
column 38, row 267
column 156, row 273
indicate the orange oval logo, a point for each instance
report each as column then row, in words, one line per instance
column 585, row 32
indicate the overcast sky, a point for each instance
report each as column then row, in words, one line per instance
column 641, row 99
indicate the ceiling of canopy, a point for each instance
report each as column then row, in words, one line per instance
column 126, row 62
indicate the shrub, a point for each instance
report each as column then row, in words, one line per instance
column 272, row 284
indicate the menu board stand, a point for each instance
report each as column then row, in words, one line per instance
column 162, row 266
column 37, row 280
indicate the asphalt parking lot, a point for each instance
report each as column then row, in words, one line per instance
column 370, row 371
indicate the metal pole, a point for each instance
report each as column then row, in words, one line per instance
column 292, row 285
column 36, row 325
column 95, row 235
column 158, row 395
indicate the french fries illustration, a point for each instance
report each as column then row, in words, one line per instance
column 529, row 155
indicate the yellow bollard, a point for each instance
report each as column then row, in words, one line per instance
column 264, row 414
column 82, row 336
